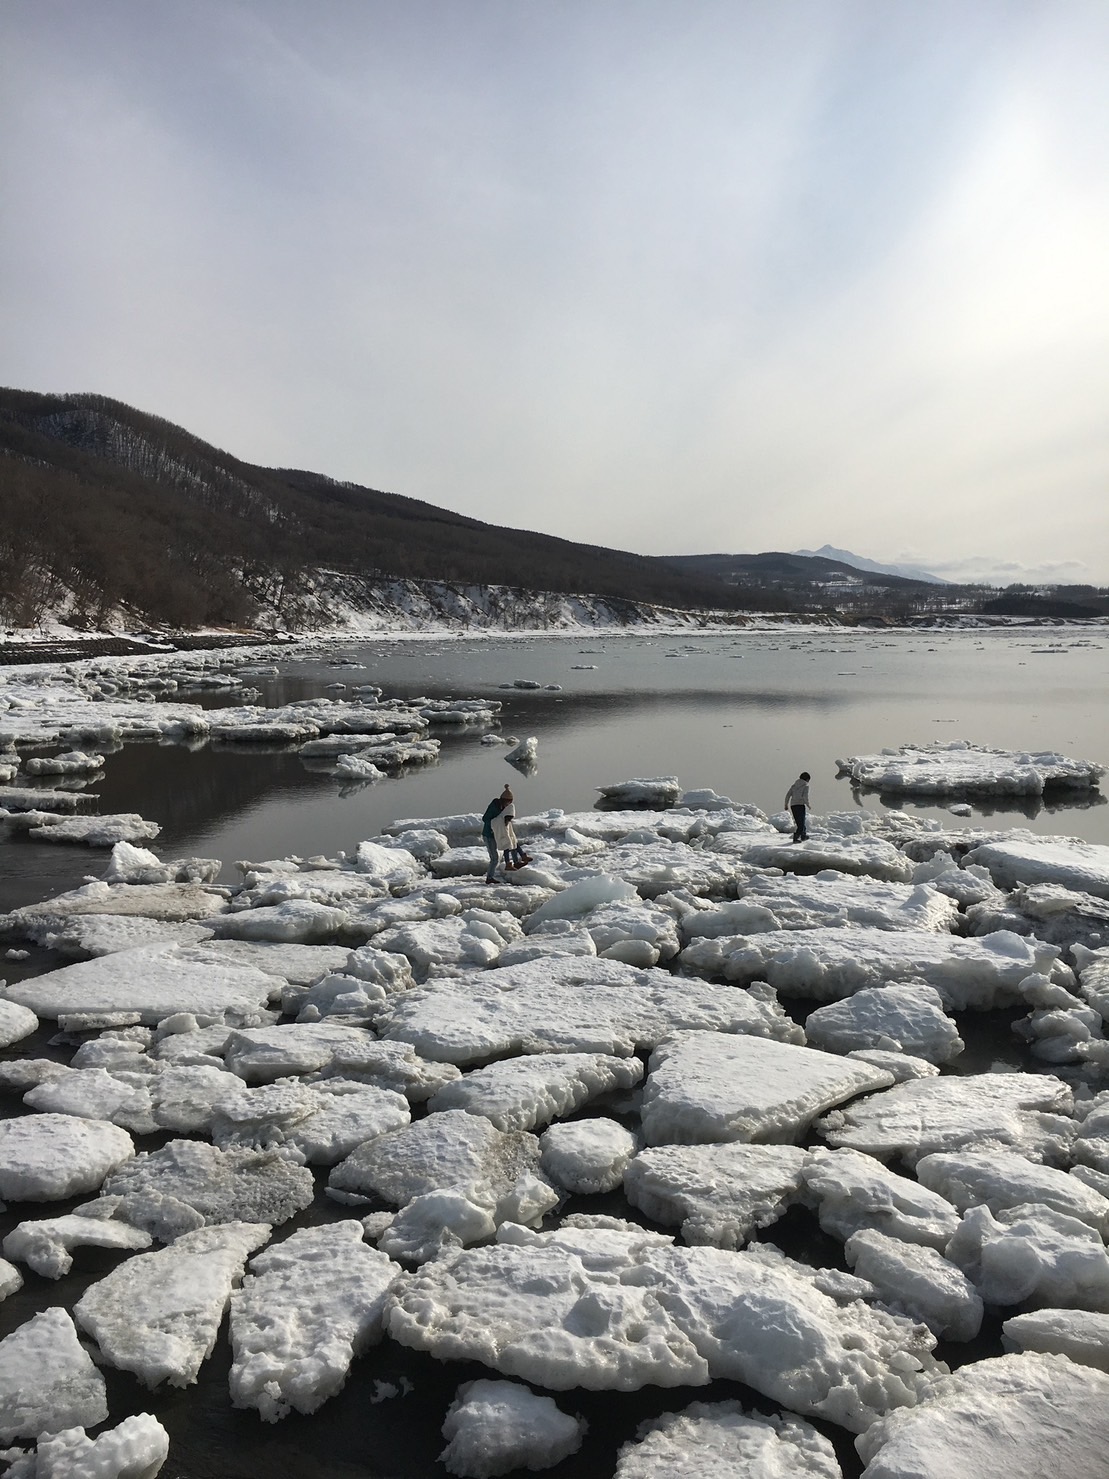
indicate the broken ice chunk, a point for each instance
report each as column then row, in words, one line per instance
column 719, row 1194
column 1030, row 1253
column 159, row 1313
column 1080, row 1335
column 494, row 1427
column 918, row 1282
column 906, row 1017
column 48, row 1157
column 586, row 1156
column 712, row 1086
column 47, row 1381
column 1002, row 1178
column 46, row 1246
column 308, row 1307
column 136, row 1449
column 521, row 1093
column 853, row 1192
column 720, row 1440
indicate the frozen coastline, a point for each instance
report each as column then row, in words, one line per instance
column 447, row 1079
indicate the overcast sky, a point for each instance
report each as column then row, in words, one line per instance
column 676, row 276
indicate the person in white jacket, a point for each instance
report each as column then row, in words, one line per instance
column 797, row 801
column 505, row 833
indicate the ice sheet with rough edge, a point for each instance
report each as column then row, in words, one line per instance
column 48, row 1157
column 1080, row 1335
column 159, row 1313
column 260, row 1055
column 1082, row 866
column 827, row 900
column 1000, row 1178
column 309, row 1305
column 710, row 1086
column 827, row 965
column 588, row 1156
column 904, row 1017
column 721, row 1440
column 1028, row 1415
column 151, row 982
column 494, row 1427
column 1029, row 1113
column 135, row 1449
column 1031, row 1254
column 572, row 1005
column 918, row 1282
column 47, row 1379
column 46, row 1246
column 719, row 1194
column 523, row 1093
column 955, row 767
column 852, row 1192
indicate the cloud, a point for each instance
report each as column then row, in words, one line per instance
column 662, row 277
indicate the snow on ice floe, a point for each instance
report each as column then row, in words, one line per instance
column 720, row 1440
column 1028, row 859
column 710, row 1086
column 827, row 965
column 522, row 1093
column 827, row 900
column 451, row 1151
column 189, row 1184
column 309, row 1305
column 860, row 855
column 135, row 1449
column 83, row 935
column 1031, row 1254
column 147, row 984
column 158, row 1314
column 588, row 1156
column 494, row 1427
column 1028, row 1113
column 260, row 1055
column 1001, row 1179
column 48, row 1157
column 957, row 767
column 572, row 1005
column 1026, row 1415
column 917, row 1281
column 617, row 1312
column 718, row 1194
column 902, row 1018
column 853, row 1193
column 1080, row 1335
column 47, row 1246
column 168, row 902
column 47, row 1379
column 473, row 939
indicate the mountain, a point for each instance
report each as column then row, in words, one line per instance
column 858, row 562
column 105, row 508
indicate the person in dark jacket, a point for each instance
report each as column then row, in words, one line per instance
column 797, row 800
column 494, row 809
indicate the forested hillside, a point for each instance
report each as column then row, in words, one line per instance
column 108, row 508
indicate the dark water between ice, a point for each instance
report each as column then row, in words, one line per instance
column 742, row 714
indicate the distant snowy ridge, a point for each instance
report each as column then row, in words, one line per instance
column 910, row 572
column 350, row 603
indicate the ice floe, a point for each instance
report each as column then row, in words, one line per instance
column 493, row 1427
column 135, row 1449
column 587, row 1156
column 1000, row 1179
column 522, row 1093
column 905, row 1018
column 1080, row 866
column 158, row 1314
column 48, row 1157
column 47, row 1379
column 955, row 767
column 710, row 1086
column 1022, row 1415
column 720, row 1440
column 853, row 1193
column 718, row 1194
column 308, row 1306
column 1080, row 1335
column 47, row 1246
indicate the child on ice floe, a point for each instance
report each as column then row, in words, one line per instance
column 797, row 801
column 505, row 833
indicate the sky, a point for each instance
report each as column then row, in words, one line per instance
column 672, row 276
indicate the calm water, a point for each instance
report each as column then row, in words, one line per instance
column 743, row 714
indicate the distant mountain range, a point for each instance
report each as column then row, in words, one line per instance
column 859, row 562
column 108, row 513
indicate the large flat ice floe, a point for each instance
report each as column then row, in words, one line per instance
column 708, row 1086
column 1026, row 1415
column 306, row 1309
column 616, row 1312
column 1082, row 866
column 572, row 1005
column 827, row 900
column 829, row 964
column 147, row 985
column 721, row 1440
column 1028, row 1113
column 958, row 767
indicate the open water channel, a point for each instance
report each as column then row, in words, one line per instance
column 742, row 713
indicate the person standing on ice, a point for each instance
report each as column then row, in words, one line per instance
column 797, row 801
column 505, row 832
column 492, row 811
